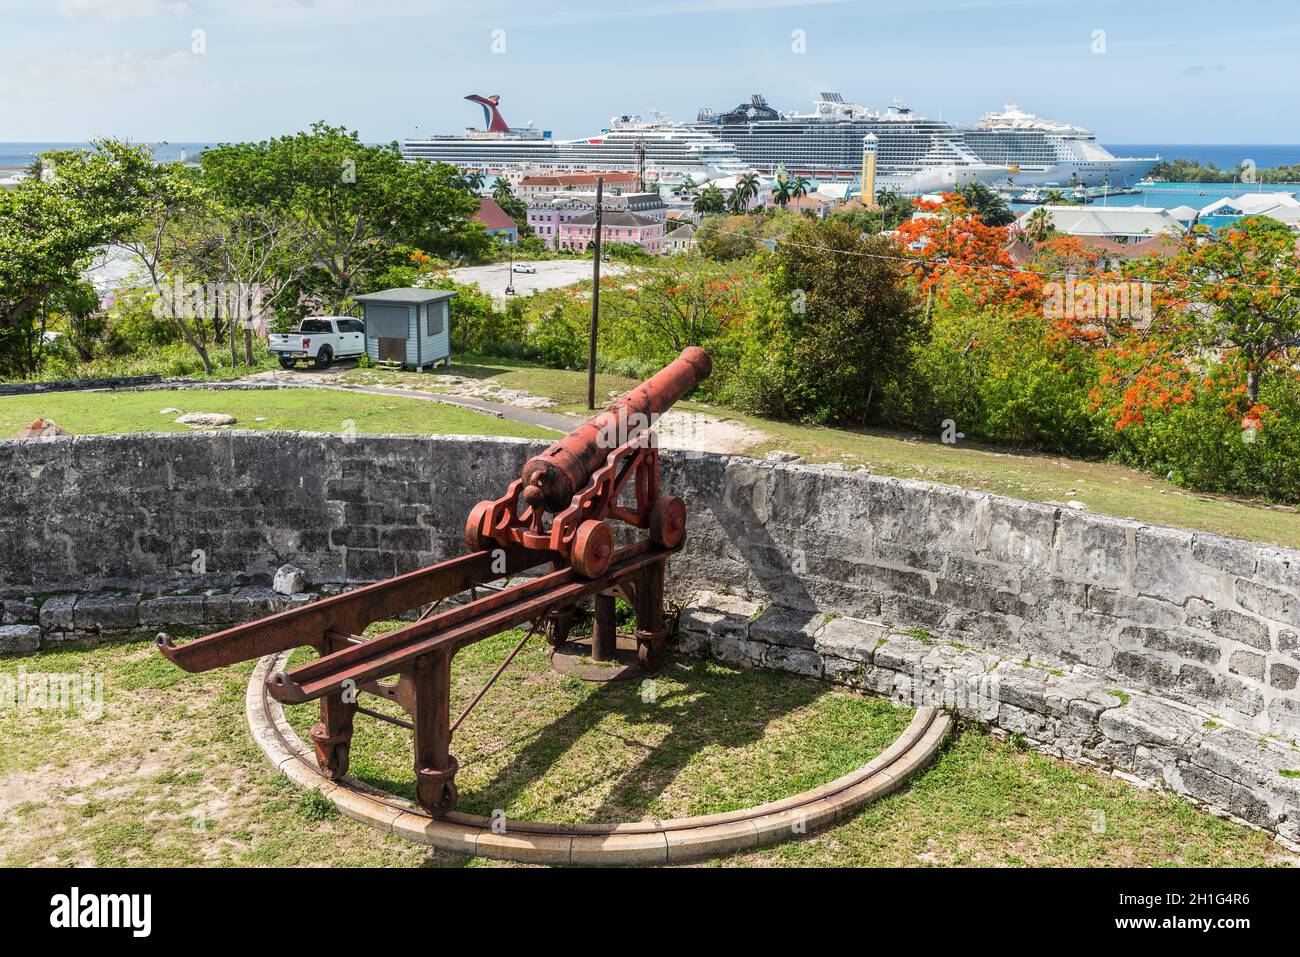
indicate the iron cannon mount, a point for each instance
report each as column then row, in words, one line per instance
column 558, row 512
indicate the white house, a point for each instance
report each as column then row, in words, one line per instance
column 1124, row 223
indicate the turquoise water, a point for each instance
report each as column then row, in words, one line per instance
column 1222, row 155
column 1196, row 195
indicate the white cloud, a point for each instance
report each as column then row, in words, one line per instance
column 118, row 11
column 118, row 71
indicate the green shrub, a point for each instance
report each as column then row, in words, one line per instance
column 1202, row 444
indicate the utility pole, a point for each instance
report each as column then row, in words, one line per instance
column 595, row 298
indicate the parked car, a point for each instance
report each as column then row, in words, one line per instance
column 321, row 339
column 525, row 267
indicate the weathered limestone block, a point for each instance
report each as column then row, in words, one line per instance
column 850, row 638
column 1163, row 567
column 56, row 613
column 107, row 613
column 16, row 612
column 800, row 661
column 1273, row 603
column 1178, row 643
column 1150, row 722
column 784, row 626
column 716, row 615
column 172, row 610
column 19, row 639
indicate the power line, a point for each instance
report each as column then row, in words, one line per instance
column 992, row 267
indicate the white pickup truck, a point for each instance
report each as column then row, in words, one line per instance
column 321, row 339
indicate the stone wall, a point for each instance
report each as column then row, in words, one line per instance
column 1199, row 624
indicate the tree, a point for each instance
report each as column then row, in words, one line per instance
column 349, row 201
column 661, row 308
column 960, row 256
column 839, row 323
column 746, row 189
column 710, row 200
column 175, row 202
column 991, row 208
column 800, row 187
column 1038, row 227
column 51, row 223
column 1237, row 296
column 783, row 192
column 251, row 258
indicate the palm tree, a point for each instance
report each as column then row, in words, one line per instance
column 501, row 192
column 783, row 193
column 710, row 200
column 1055, row 197
column 746, row 189
column 800, row 187
column 1038, row 226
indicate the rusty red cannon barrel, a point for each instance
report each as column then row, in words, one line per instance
column 552, row 478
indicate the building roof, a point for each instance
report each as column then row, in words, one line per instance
column 569, row 180
column 407, row 296
column 1021, row 252
column 681, row 232
column 810, row 201
column 1183, row 213
column 1163, row 245
column 492, row 216
column 1109, row 220
column 1251, row 204
column 615, row 218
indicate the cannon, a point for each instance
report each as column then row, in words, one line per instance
column 557, row 513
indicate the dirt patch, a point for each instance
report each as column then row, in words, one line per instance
column 701, row 432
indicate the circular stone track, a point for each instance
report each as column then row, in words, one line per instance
column 673, row 841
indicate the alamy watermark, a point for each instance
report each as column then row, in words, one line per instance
column 53, row 691
column 1099, row 299
column 239, row 301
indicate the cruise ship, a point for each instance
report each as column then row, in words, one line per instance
column 1039, row 152
column 664, row 151
column 913, row 154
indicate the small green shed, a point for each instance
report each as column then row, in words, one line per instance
column 408, row 326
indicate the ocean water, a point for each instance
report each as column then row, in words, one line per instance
column 1171, row 195
column 1223, row 155
column 22, row 154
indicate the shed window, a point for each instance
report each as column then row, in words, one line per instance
column 434, row 312
column 385, row 321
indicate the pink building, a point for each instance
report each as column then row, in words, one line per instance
column 616, row 227
column 549, row 216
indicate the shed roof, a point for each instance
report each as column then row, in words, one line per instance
column 407, row 295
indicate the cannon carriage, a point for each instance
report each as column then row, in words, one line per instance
column 557, row 513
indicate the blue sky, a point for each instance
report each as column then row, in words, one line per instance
column 1158, row 71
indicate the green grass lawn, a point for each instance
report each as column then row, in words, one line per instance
column 314, row 410
column 1103, row 487
column 169, row 774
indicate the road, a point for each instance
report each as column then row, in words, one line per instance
column 551, row 274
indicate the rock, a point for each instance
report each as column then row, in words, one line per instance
column 205, row 420
column 289, row 580
column 171, row 610
column 40, row 429
column 168, row 411
column 19, row 639
column 107, row 613
column 56, row 612
column 777, row 455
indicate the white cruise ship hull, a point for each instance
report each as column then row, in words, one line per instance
column 1120, row 173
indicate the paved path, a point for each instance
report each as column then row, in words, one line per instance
column 547, row 420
